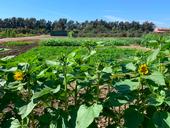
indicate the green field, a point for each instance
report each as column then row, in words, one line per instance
column 80, row 82
column 104, row 54
column 54, row 48
column 91, row 41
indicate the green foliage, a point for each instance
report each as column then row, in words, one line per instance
column 17, row 43
column 91, row 41
column 104, row 54
column 24, row 111
column 153, row 56
column 79, row 89
column 133, row 118
column 7, row 58
column 71, row 34
column 3, row 49
column 161, row 120
column 157, row 77
column 154, row 40
column 95, row 28
column 10, row 32
column 86, row 115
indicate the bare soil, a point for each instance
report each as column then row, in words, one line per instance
column 16, row 50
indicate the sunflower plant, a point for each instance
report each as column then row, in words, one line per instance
column 73, row 92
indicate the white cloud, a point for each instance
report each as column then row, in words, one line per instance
column 113, row 18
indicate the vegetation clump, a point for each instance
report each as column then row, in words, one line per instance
column 75, row 92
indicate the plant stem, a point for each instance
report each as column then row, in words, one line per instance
column 109, row 90
column 33, row 121
column 65, row 85
column 142, row 88
column 75, row 98
column 98, row 86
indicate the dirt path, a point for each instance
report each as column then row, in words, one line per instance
column 33, row 38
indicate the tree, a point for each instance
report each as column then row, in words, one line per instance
column 86, row 28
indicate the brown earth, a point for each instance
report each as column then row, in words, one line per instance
column 16, row 50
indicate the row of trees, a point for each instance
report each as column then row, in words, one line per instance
column 87, row 28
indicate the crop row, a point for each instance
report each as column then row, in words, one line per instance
column 90, row 41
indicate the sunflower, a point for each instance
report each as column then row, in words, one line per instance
column 18, row 75
column 143, row 69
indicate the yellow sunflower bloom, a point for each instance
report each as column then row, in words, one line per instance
column 18, row 75
column 143, row 69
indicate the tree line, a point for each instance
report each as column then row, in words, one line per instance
column 99, row 28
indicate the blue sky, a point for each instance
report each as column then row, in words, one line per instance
column 156, row 11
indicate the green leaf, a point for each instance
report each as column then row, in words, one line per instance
column 127, row 85
column 15, row 124
column 2, row 82
column 167, row 100
column 4, row 49
column 70, row 57
column 45, row 91
column 157, row 78
column 107, row 70
column 93, row 52
column 58, row 123
column 23, row 66
column 133, row 118
column 15, row 86
column 155, row 100
column 52, row 63
column 87, row 56
column 13, row 69
column 53, row 125
column 7, row 58
column 56, row 89
column 161, row 119
column 115, row 102
column 41, row 93
column 27, row 109
column 153, row 41
column 86, row 115
column 42, row 73
column 153, row 56
column 131, row 67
